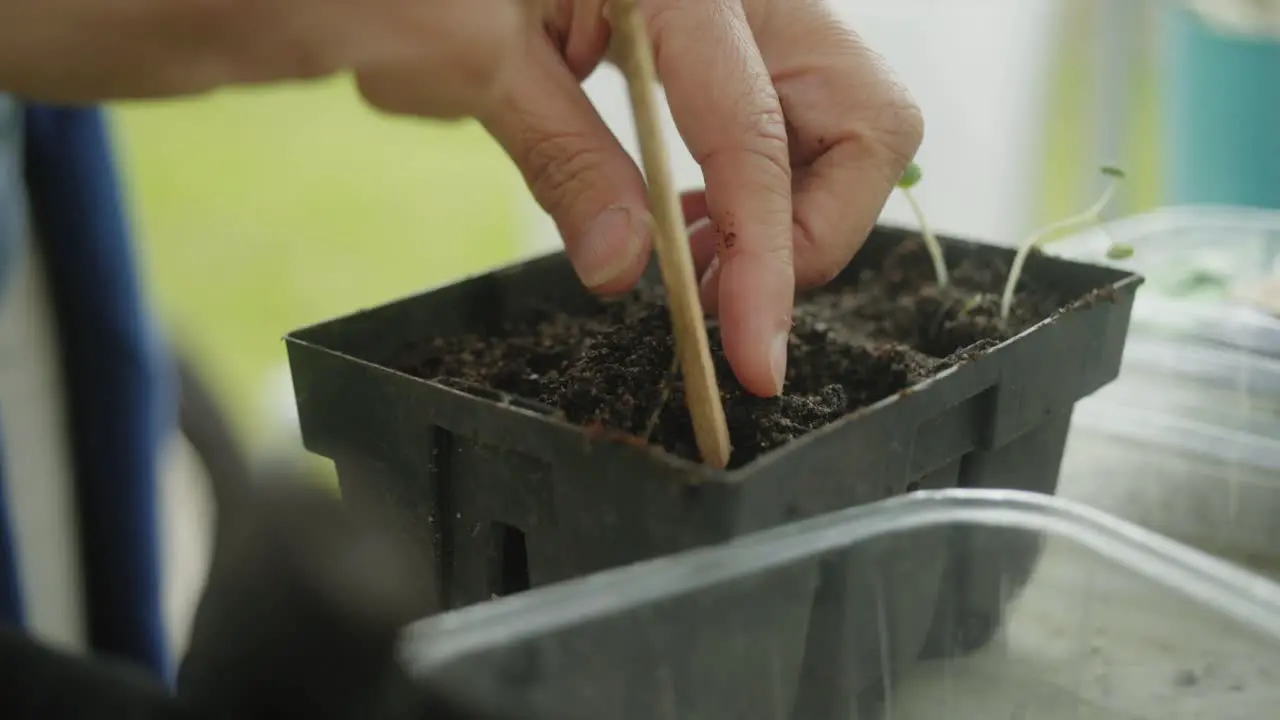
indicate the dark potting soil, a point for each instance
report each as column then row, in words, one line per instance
column 852, row 345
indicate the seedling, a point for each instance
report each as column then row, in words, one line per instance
column 1058, row 230
column 664, row 394
column 910, row 178
column 971, row 304
column 1120, row 251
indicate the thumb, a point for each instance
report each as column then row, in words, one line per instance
column 576, row 169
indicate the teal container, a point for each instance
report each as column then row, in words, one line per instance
column 1222, row 114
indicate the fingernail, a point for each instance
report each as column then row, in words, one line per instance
column 609, row 247
column 778, row 360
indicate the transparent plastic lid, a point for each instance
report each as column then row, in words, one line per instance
column 945, row 605
column 1211, row 272
column 1193, row 398
column 1187, row 440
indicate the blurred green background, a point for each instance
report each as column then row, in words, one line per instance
column 262, row 211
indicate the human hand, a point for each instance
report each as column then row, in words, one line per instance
column 800, row 131
column 428, row 57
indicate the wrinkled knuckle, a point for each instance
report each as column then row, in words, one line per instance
column 906, row 129
column 559, row 167
column 781, row 255
column 767, row 131
column 763, row 136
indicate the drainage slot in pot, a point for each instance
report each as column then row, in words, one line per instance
column 508, row 560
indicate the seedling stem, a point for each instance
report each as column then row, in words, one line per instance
column 1054, row 232
column 664, row 394
column 910, row 177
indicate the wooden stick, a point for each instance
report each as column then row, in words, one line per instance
column 635, row 56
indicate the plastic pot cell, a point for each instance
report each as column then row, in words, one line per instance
column 525, row 433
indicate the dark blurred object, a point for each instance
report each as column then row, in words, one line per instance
column 302, row 615
column 306, row 596
column 203, row 422
column 300, row 619
column 301, row 612
column 40, row 683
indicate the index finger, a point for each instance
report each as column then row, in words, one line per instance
column 725, row 106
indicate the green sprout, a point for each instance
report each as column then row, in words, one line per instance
column 1120, row 251
column 1056, row 231
column 910, row 178
column 970, row 305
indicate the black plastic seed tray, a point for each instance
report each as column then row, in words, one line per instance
column 499, row 495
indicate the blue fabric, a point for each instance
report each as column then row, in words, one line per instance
column 119, row 384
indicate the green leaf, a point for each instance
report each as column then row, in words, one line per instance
column 910, row 177
column 1120, row 251
column 1113, row 171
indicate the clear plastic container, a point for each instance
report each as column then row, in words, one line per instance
column 1202, row 263
column 1187, row 443
column 1115, row 622
column 1187, row 440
